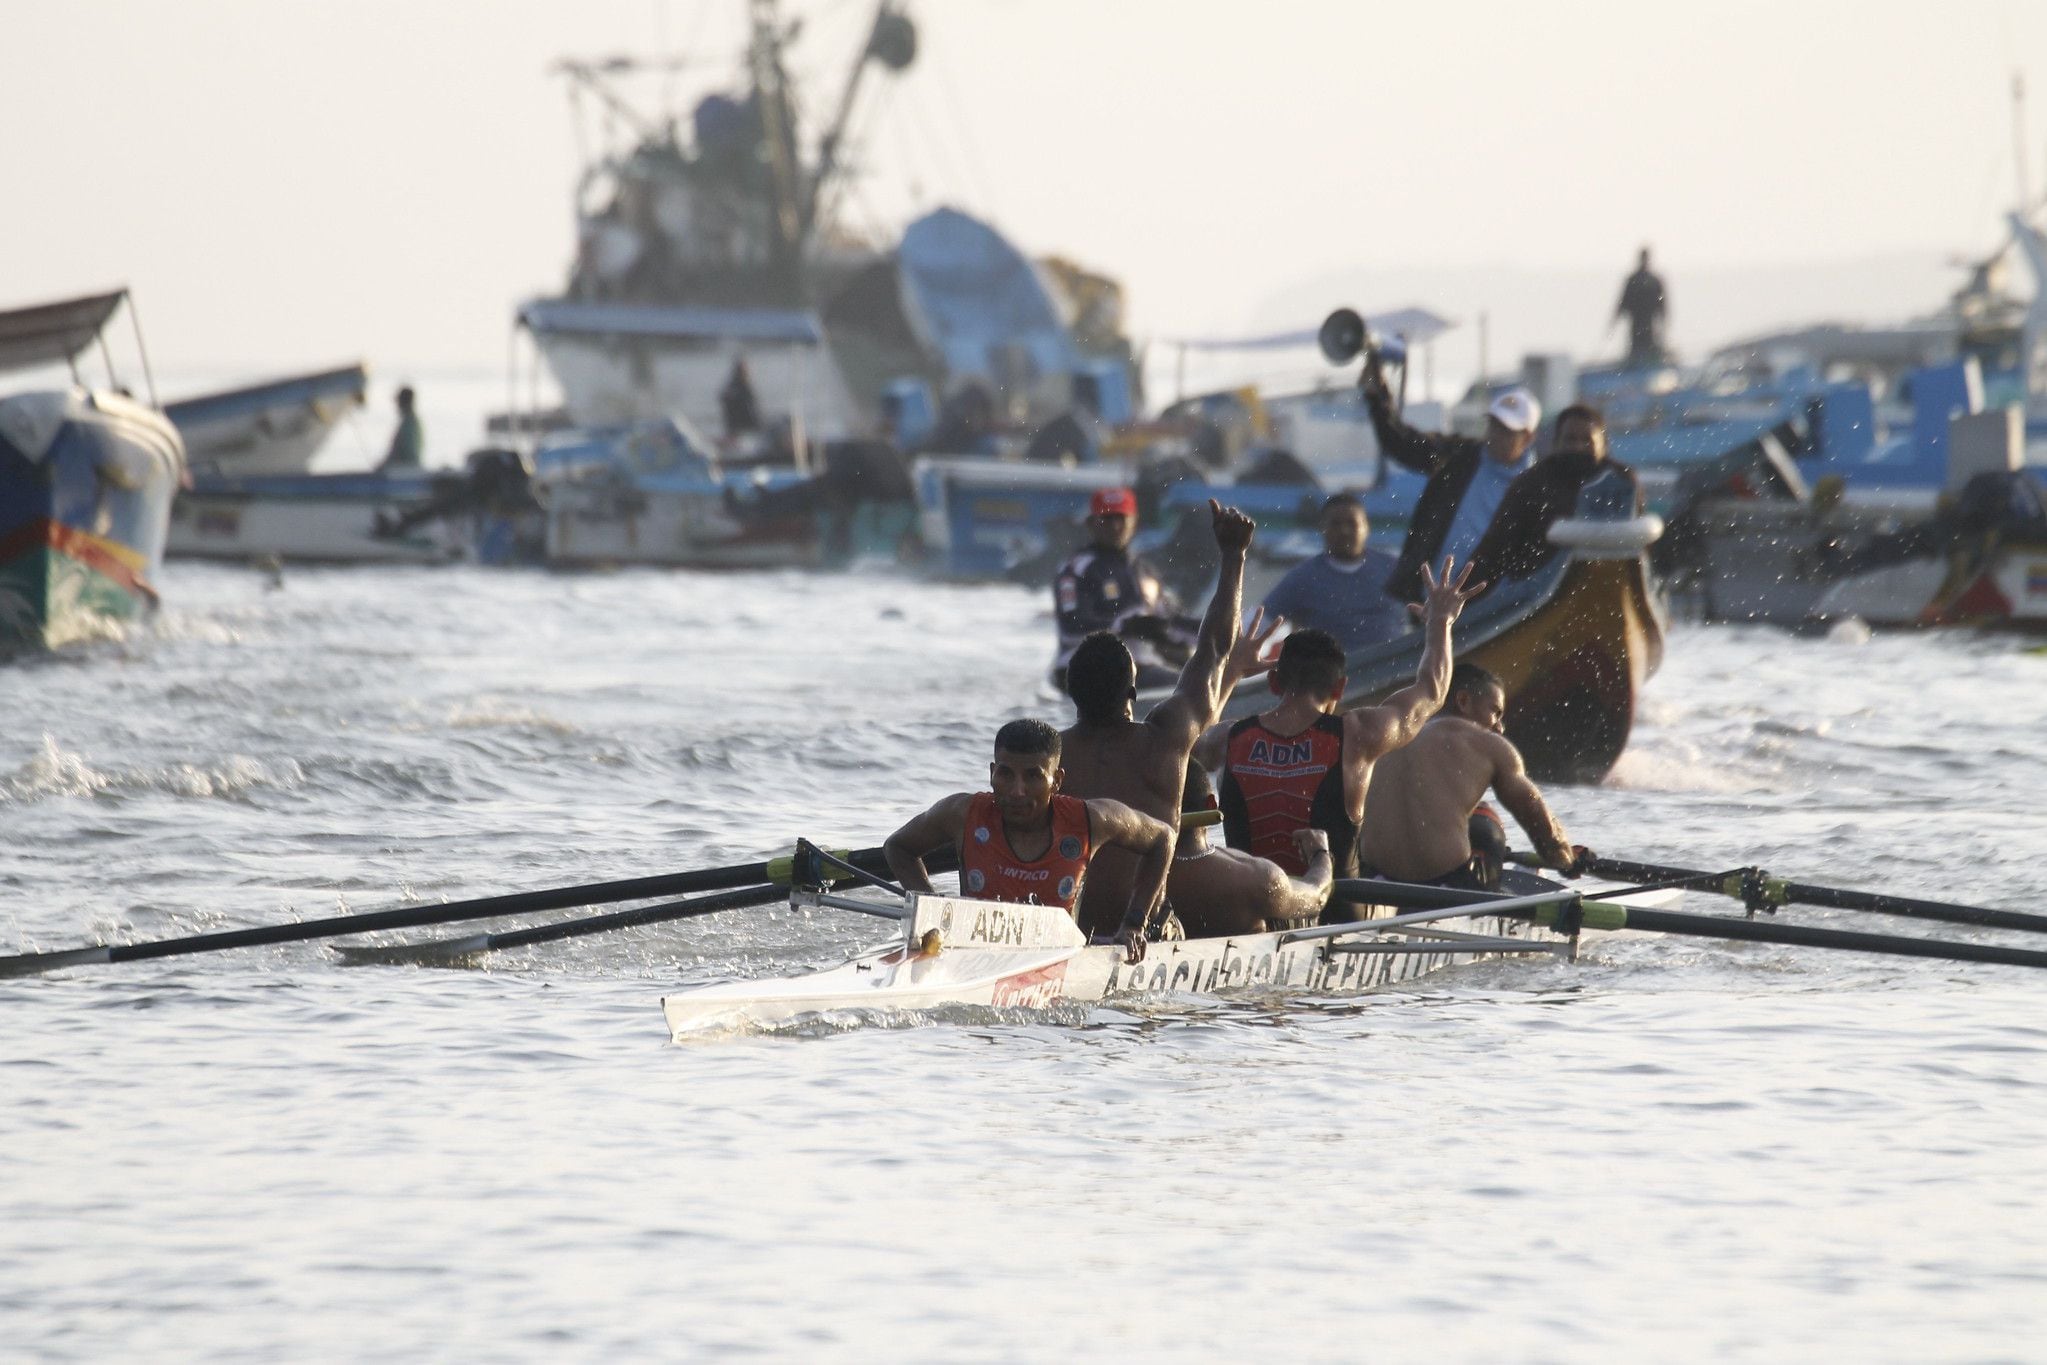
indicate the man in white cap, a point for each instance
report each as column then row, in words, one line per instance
column 1468, row 476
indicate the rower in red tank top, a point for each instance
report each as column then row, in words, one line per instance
column 991, row 869
column 1023, row 841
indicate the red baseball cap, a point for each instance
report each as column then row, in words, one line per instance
column 1112, row 502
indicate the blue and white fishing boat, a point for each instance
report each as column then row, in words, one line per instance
column 272, row 427
column 86, row 481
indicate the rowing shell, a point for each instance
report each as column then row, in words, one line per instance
column 958, row 952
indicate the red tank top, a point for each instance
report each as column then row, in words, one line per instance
column 1275, row 784
column 991, row 871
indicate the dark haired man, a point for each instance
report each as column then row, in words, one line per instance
column 1109, row 753
column 1026, row 840
column 1301, row 765
column 1343, row 589
column 408, row 442
column 1219, row 891
column 1468, row 476
column 1518, row 544
column 1427, row 821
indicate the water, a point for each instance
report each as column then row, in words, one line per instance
column 1673, row 1149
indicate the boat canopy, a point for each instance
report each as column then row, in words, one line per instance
column 50, row 332
column 788, row 326
column 974, row 301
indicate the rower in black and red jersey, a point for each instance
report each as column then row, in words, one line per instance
column 1023, row 841
column 1301, row 765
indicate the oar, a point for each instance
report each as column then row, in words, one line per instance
column 455, row 949
column 1608, row 915
column 412, row 917
column 1760, row 891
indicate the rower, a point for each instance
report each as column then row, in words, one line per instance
column 1111, row 754
column 1217, row 892
column 1027, row 841
column 1427, row 822
column 1301, row 765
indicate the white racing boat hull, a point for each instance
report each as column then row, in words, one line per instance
column 1038, row 967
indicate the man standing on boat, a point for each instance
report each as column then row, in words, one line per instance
column 1428, row 824
column 1645, row 307
column 1143, row 764
column 1218, row 892
column 1468, row 476
column 1105, row 582
column 1517, row 544
column 1342, row 590
column 1026, row 840
column 408, row 443
column 1302, row 765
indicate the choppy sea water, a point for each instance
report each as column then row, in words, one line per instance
column 1673, row 1149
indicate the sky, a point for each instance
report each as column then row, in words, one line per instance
column 290, row 183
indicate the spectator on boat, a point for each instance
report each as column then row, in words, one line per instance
column 1025, row 840
column 1517, row 544
column 1104, row 583
column 1644, row 306
column 1429, row 822
column 1217, row 891
column 1143, row 764
column 737, row 406
column 1301, row 765
column 408, row 443
column 1467, row 476
column 1343, row 590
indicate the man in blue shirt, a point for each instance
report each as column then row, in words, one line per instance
column 1343, row 590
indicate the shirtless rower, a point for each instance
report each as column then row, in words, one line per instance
column 1026, row 841
column 1427, row 824
column 1219, row 891
column 1111, row 754
column 1302, row 765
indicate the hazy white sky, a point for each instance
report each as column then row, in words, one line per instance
column 290, row 183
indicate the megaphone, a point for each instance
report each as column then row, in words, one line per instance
column 1343, row 337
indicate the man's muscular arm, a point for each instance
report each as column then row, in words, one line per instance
column 1524, row 801
column 1198, row 698
column 1152, row 840
column 1304, row 896
column 939, row 827
column 1375, row 731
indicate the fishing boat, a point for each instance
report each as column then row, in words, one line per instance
column 272, row 427
column 312, row 519
column 86, row 482
column 1573, row 644
column 954, row 952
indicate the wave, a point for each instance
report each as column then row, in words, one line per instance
column 54, row 771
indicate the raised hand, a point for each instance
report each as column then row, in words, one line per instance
column 1232, row 528
column 1249, row 658
column 1444, row 598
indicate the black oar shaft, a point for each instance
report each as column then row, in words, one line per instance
column 413, row 917
column 627, row 919
column 1607, row 915
column 1839, row 898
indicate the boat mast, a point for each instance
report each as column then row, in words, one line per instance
column 778, row 132
column 892, row 41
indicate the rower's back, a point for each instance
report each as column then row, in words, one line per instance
column 1420, row 801
column 1140, row 763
